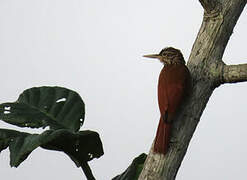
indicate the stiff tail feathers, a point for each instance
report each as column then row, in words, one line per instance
column 162, row 138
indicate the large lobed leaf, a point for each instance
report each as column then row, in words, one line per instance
column 81, row 147
column 56, row 107
column 59, row 108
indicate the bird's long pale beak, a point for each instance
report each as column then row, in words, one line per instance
column 152, row 56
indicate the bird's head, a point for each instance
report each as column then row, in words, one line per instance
column 168, row 55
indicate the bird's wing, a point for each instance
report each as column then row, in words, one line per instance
column 173, row 84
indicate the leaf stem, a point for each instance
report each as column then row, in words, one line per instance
column 87, row 171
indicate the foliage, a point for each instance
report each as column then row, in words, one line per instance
column 62, row 110
column 134, row 170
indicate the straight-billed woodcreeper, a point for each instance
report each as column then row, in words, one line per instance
column 173, row 87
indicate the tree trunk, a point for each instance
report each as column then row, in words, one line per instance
column 208, row 72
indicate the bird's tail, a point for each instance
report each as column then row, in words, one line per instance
column 162, row 137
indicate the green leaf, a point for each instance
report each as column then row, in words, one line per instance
column 134, row 170
column 81, row 147
column 63, row 111
column 56, row 107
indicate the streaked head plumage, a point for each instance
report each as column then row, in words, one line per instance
column 168, row 55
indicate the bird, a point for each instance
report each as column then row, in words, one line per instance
column 173, row 88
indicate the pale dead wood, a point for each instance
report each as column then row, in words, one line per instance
column 208, row 72
column 235, row 73
column 209, row 6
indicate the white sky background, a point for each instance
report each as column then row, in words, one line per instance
column 95, row 48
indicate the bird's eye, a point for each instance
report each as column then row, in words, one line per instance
column 169, row 54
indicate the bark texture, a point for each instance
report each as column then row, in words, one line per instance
column 208, row 72
column 234, row 73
